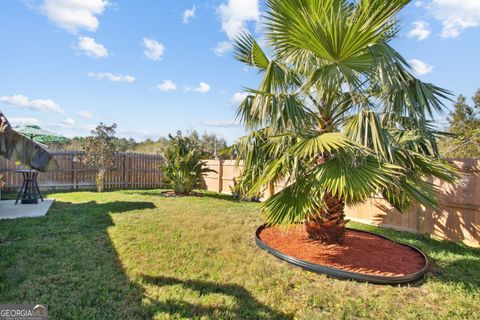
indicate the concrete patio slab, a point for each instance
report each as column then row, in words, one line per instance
column 8, row 209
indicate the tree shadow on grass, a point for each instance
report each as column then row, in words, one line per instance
column 246, row 306
column 67, row 261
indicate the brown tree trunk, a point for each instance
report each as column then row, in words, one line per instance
column 328, row 224
column 100, row 180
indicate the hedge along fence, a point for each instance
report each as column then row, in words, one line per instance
column 132, row 171
column 459, row 219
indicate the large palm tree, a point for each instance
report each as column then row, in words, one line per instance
column 337, row 115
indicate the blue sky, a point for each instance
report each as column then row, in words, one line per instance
column 155, row 67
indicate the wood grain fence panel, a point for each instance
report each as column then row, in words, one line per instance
column 132, row 170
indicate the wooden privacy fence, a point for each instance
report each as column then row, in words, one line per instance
column 132, row 171
column 459, row 219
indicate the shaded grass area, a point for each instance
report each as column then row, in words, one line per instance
column 137, row 255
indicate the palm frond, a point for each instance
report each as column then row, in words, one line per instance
column 321, row 143
column 356, row 179
column 365, row 128
column 248, row 51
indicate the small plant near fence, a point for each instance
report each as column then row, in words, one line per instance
column 100, row 152
column 182, row 167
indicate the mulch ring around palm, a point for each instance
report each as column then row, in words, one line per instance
column 360, row 252
column 172, row 194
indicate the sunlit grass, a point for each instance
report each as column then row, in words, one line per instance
column 136, row 255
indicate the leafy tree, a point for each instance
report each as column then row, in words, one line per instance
column 182, row 166
column 211, row 145
column 100, row 152
column 124, row 145
column 337, row 115
column 465, row 126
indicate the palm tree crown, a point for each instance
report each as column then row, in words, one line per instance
column 337, row 114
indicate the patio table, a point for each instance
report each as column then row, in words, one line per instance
column 29, row 192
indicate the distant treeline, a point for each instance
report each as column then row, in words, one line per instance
column 209, row 143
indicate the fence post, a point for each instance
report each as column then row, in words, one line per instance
column 126, row 172
column 220, row 175
column 74, row 171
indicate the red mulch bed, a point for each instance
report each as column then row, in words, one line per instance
column 360, row 252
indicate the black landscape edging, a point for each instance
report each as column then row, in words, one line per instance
column 342, row 274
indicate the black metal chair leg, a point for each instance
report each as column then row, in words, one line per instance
column 20, row 192
column 37, row 188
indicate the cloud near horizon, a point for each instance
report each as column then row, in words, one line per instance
column 20, row 121
column 42, row 105
column 221, row 123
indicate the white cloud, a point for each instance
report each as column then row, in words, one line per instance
column 21, row 101
column 222, row 48
column 202, row 87
column 112, row 77
column 221, row 123
column 91, row 48
column 188, row 14
column 455, row 15
column 153, row 49
column 420, row 67
column 166, row 85
column 418, row 4
column 69, row 122
column 74, row 15
column 235, row 15
column 421, row 30
column 20, row 122
column 84, row 114
column 238, row 98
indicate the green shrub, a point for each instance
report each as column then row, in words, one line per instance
column 182, row 167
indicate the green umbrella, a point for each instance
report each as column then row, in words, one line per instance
column 38, row 134
column 17, row 147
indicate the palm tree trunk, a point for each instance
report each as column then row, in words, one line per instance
column 328, row 224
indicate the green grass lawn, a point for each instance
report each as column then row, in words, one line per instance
column 136, row 255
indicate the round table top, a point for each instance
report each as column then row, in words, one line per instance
column 26, row 170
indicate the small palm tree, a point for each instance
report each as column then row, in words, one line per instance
column 337, row 115
column 182, row 167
